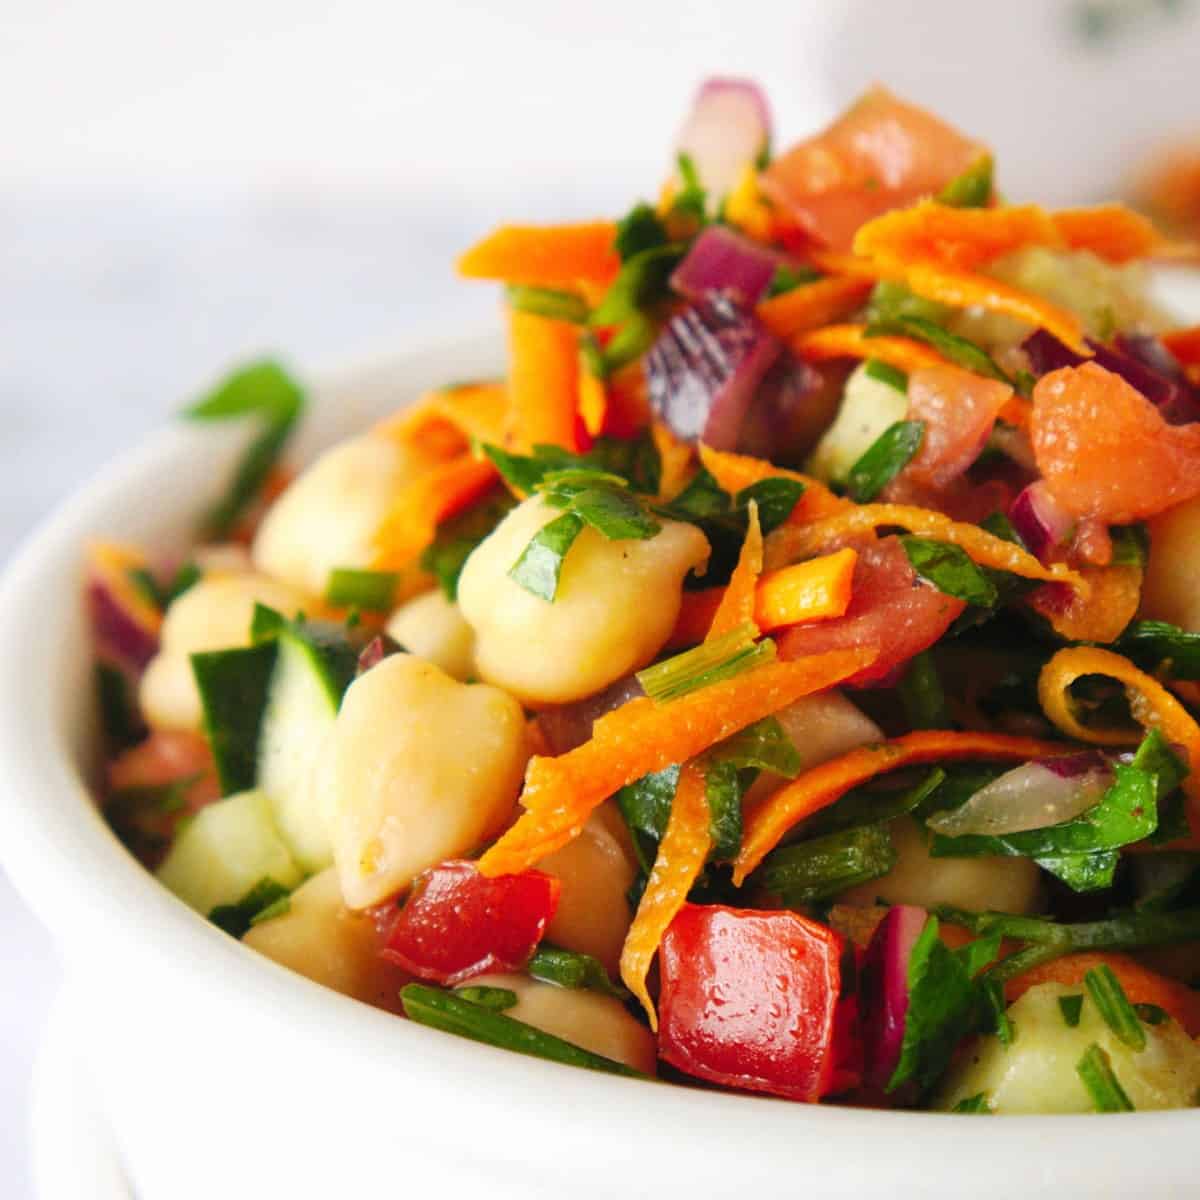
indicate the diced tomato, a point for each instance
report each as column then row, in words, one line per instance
column 458, row 923
column 750, row 1000
column 880, row 154
column 1104, row 449
column 890, row 607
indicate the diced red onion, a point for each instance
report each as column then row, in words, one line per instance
column 1040, row 521
column 117, row 630
column 884, row 990
column 723, row 261
column 1031, row 796
column 566, row 726
column 1183, row 406
column 704, row 370
column 729, row 126
column 375, row 651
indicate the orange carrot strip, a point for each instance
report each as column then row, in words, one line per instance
column 1153, row 707
column 812, row 305
column 738, row 603
column 640, row 737
column 1111, row 602
column 443, row 423
column 550, row 256
column 1140, row 984
column 676, row 458
column 543, row 380
column 1112, row 231
column 412, row 520
column 789, row 543
column 110, row 563
column 814, row 790
column 809, row 591
column 681, row 854
column 848, row 341
column 834, row 263
column 593, row 402
column 735, row 472
column 1184, row 344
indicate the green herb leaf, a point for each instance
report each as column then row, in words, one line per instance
column 998, row 525
column 540, row 565
column 891, row 301
column 645, row 805
column 775, row 497
column 1095, row 1069
column 762, row 746
column 570, row 969
column 1131, row 545
column 1071, row 1008
column 723, row 794
column 870, row 806
column 692, row 200
column 163, row 595
column 545, row 302
column 634, row 460
column 1082, row 872
column 1109, row 997
column 445, row 557
column 882, row 372
column 452, row 1014
column 973, row 1104
column 372, row 591
column 949, row 345
column 641, row 284
column 494, row 998
column 263, row 390
column 235, row 919
column 706, row 664
column 278, row 908
column 971, row 189
column 950, row 569
column 788, row 278
column 1002, row 1024
column 119, row 716
column 1159, row 646
column 922, row 695
column 814, row 870
column 613, row 511
column 884, row 459
column 640, row 229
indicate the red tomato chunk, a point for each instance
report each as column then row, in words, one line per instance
column 750, row 1000
column 457, row 923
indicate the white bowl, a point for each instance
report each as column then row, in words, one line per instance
column 224, row 1075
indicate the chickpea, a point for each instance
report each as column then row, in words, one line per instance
column 419, row 768
column 214, row 614
column 433, row 628
column 1172, row 587
column 617, row 602
column 596, row 1022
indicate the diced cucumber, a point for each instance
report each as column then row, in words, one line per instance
column 233, row 692
column 225, row 850
column 869, row 406
column 312, row 671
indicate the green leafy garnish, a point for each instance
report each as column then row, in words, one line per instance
column 445, row 557
column 949, row 345
column 1131, row 545
column 788, row 278
column 692, row 200
column 540, row 565
column 821, row 867
column 645, row 805
column 998, row 525
column 971, row 189
column 1071, row 1008
column 922, row 695
column 723, row 793
column 884, row 459
column 632, row 304
column 163, row 595
column 775, row 497
column 494, row 998
column 1095, row 1069
column 371, row 591
column 263, row 899
column 763, row 746
column 1002, row 1023
column 891, row 301
column 119, row 716
column 545, row 302
column 973, row 1104
column 871, row 806
column 635, row 460
column 882, row 372
column 950, row 569
column 712, row 662
column 263, row 390
column 1161, row 647
column 452, row 1014
column 1109, row 997
column 640, row 229
column 570, row 969
column 603, row 500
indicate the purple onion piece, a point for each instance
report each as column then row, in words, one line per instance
column 375, row 651
column 1071, row 766
column 729, row 126
column 565, row 726
column 704, row 370
column 884, row 990
column 780, row 424
column 1040, row 521
column 118, row 632
column 1184, row 406
column 723, row 261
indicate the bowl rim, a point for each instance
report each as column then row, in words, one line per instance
column 56, row 847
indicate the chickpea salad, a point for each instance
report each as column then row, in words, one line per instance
column 785, row 679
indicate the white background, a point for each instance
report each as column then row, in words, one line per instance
column 181, row 186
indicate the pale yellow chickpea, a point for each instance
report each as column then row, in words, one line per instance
column 330, row 515
column 432, row 627
column 214, row 614
column 321, row 938
column 585, row 1018
column 616, row 604
column 419, row 768
column 1171, row 591
column 596, row 872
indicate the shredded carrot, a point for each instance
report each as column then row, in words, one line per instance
column 549, row 256
column 681, row 854
column 412, row 520
column 792, row 542
column 642, row 736
column 111, row 563
column 1152, row 706
column 593, row 402
column 738, row 604
column 676, row 458
column 1184, row 344
column 832, row 262
column 766, row 824
column 735, row 472
column 1111, row 231
column 1100, row 614
column 543, row 381
column 809, row 591
column 812, row 305
column 444, row 422
column 745, row 208
column 849, row 341
column 1139, row 983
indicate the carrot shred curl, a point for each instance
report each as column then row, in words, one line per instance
column 766, row 824
column 1100, row 615
column 1110, row 231
column 791, row 542
column 1152, row 706
column 543, row 381
column 850, row 341
column 738, row 604
column 735, row 472
column 681, row 856
column 812, row 305
column 1140, row 984
column 642, row 736
column 549, row 256
column 444, row 422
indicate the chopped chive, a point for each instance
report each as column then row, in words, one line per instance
column 1095, row 1069
column 1151, row 1014
column 1109, row 997
column 570, row 969
column 709, row 663
column 882, row 372
column 494, row 998
column 279, row 908
column 884, row 459
column 372, row 591
column 545, row 302
column 236, row 918
column 814, row 870
column 973, row 1104
column 922, row 695
column 1071, row 1008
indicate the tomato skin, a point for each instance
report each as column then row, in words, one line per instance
column 750, row 1000
column 458, row 923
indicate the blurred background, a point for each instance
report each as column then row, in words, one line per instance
column 183, row 186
